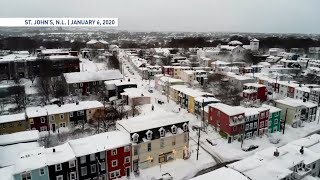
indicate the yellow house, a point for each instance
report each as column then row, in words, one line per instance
column 13, row 123
column 175, row 92
column 177, row 70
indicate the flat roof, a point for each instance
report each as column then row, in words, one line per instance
column 78, row 77
column 222, row 174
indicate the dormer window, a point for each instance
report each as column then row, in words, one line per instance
column 185, row 127
column 135, row 137
column 149, row 134
column 240, row 118
column 235, row 119
column 174, row 129
column 162, row 131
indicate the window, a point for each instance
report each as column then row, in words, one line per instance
column 73, row 176
column 127, row 159
column 255, row 124
column 261, row 124
column 275, row 121
column 115, row 174
column 43, row 120
column 161, row 143
column 61, row 116
column 4, row 126
column 173, row 141
column 234, row 128
column 102, row 166
column 81, row 84
column 60, row 177
column 247, row 127
column 74, row 85
column 242, row 126
column 92, row 157
column 62, row 124
column 276, row 114
column 52, row 118
column 72, row 164
column 135, row 150
column 126, row 148
column 43, row 128
column 102, row 155
column 251, row 125
column 174, row 129
column 42, row 172
column 185, row 127
column 266, row 123
column 93, row 168
column 162, row 132
column 275, row 129
column 58, row 167
column 19, row 123
column 11, row 124
column 114, row 152
column 135, row 137
column 71, row 114
column 149, row 134
column 149, row 147
column 262, row 115
column 114, row 163
column 94, row 83
column 26, row 176
column 83, row 159
column 76, row 90
column 83, row 171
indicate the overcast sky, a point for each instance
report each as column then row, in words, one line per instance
column 278, row 16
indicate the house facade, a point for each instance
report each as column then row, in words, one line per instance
column 260, row 91
column 315, row 95
column 102, row 156
column 274, row 119
column 158, row 140
column 227, row 120
column 13, row 123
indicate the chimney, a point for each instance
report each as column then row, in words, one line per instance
column 276, row 153
column 301, row 150
column 53, row 150
column 77, row 102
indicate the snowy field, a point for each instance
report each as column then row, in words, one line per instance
column 223, row 151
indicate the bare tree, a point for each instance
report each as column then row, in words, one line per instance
column 59, row 88
column 19, row 95
column 44, row 81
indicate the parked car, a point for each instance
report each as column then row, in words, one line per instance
column 150, row 91
column 166, row 176
column 252, row 147
column 273, row 140
column 211, row 142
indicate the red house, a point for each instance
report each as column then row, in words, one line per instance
column 168, row 70
column 227, row 120
column 37, row 118
column 259, row 89
column 263, row 121
column 249, row 94
column 119, row 162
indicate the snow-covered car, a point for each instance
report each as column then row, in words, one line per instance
column 252, row 147
column 273, row 140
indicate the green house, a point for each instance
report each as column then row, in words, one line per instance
column 274, row 119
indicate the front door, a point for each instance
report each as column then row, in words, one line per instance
column 53, row 127
column 128, row 172
column 135, row 165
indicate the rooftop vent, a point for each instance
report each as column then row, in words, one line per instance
column 53, row 150
column 276, row 153
column 301, row 150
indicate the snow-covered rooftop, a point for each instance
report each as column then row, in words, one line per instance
column 254, row 85
column 8, row 154
column 272, row 109
column 222, row 174
column 6, row 173
column 229, row 110
column 63, row 153
column 206, row 99
column 78, row 77
column 30, row 160
column 12, row 118
column 99, row 142
column 296, row 102
column 150, row 121
column 133, row 92
column 19, row 137
column 39, row 111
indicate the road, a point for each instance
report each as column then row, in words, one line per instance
column 212, row 168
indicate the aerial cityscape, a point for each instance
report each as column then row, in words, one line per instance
column 158, row 98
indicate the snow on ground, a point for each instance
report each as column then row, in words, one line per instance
column 222, row 151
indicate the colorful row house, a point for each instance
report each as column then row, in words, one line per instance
column 53, row 117
column 101, row 156
column 274, row 118
column 295, row 112
column 156, row 140
column 13, row 123
column 227, row 120
column 254, row 91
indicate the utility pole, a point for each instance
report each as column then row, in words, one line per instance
column 285, row 120
column 198, row 143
